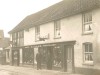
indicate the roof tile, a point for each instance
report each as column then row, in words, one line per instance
column 60, row 10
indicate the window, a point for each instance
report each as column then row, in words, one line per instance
column 14, row 37
column 87, row 22
column 37, row 33
column 28, row 56
column 18, row 38
column 88, row 52
column 21, row 38
column 57, row 56
column 43, row 51
column 57, row 29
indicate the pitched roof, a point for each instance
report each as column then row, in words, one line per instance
column 60, row 10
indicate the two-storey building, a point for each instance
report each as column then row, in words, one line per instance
column 68, row 31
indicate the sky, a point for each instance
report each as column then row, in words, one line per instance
column 12, row 12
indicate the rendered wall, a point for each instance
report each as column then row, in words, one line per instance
column 71, row 29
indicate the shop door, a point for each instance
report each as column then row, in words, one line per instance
column 69, row 58
column 49, row 58
column 16, row 57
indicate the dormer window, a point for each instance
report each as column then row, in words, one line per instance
column 57, row 29
column 87, row 23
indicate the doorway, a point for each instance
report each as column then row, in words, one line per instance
column 49, row 57
column 69, row 58
column 15, row 55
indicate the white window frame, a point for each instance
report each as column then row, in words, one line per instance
column 57, row 29
column 20, row 38
column 88, row 54
column 87, row 23
column 37, row 33
column 14, row 39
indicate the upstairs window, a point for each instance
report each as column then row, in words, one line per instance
column 14, row 36
column 37, row 33
column 57, row 29
column 88, row 52
column 21, row 34
column 20, row 38
column 87, row 23
column 14, row 39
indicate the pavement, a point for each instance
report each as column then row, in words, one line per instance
column 31, row 71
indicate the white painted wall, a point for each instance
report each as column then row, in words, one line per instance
column 97, row 29
column 29, row 37
column 20, row 51
column 71, row 29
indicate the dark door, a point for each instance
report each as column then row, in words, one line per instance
column 69, row 58
column 16, row 57
column 49, row 57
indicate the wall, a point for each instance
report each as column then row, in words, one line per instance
column 29, row 37
column 71, row 29
column 97, row 29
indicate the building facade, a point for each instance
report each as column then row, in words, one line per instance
column 68, row 31
column 4, row 42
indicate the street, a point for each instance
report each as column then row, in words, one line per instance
column 14, row 70
column 3, row 72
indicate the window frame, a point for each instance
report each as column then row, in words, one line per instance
column 89, row 52
column 57, row 28
column 57, row 56
column 37, row 33
column 87, row 21
column 14, row 39
column 21, row 38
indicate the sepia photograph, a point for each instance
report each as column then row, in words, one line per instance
column 49, row 37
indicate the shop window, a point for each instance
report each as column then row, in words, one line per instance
column 43, row 51
column 88, row 53
column 57, row 56
column 28, row 55
column 87, row 23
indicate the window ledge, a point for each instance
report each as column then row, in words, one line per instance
column 57, row 37
column 87, row 33
column 88, row 63
column 37, row 40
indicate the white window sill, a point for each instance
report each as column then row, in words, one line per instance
column 37, row 40
column 57, row 37
column 89, row 63
column 87, row 33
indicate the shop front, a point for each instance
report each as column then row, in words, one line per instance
column 22, row 56
column 28, row 55
column 55, row 56
column 58, row 56
column 15, row 57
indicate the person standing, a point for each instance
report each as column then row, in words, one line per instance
column 38, row 59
